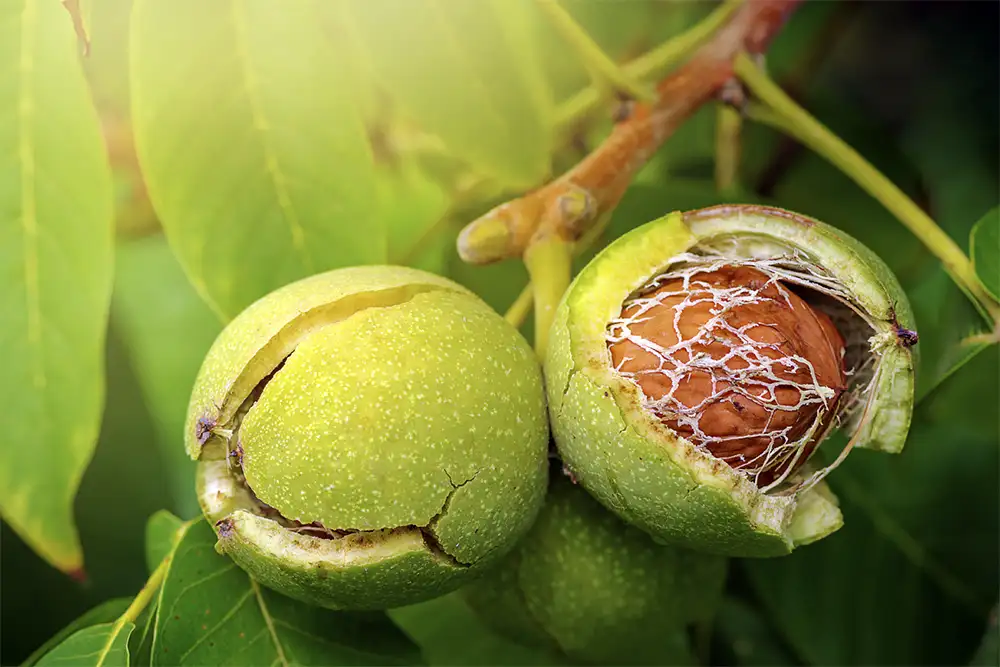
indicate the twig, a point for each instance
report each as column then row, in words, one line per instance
column 519, row 310
column 568, row 207
column 651, row 65
column 606, row 75
column 728, row 147
column 777, row 109
column 549, row 264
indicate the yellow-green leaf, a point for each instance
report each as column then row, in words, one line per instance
column 467, row 72
column 254, row 154
column 55, row 276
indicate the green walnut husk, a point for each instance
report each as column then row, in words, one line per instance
column 369, row 437
column 596, row 588
column 641, row 469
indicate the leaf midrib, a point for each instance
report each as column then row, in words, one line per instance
column 29, row 219
column 274, row 172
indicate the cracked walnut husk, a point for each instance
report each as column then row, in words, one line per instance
column 698, row 365
column 369, row 438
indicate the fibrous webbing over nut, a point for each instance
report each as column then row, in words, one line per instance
column 733, row 360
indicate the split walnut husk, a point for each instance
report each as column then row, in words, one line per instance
column 369, row 437
column 699, row 364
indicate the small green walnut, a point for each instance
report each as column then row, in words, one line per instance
column 697, row 365
column 369, row 437
column 590, row 585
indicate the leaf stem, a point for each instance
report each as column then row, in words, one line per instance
column 728, row 129
column 549, row 264
column 131, row 614
column 518, row 311
column 606, row 75
column 651, row 65
column 780, row 111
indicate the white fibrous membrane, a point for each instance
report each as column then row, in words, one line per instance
column 752, row 360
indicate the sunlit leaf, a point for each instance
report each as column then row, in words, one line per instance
column 468, row 73
column 210, row 612
column 104, row 645
column 254, row 155
column 167, row 329
column 413, row 208
column 55, row 262
column 106, row 65
column 984, row 246
column 105, row 612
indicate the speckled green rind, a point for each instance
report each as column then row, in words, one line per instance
column 263, row 334
column 379, row 420
column 314, row 572
column 639, row 468
column 602, row 590
column 402, row 409
column 375, row 570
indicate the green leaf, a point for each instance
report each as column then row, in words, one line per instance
column 467, row 72
column 105, row 612
column 140, row 644
column 162, row 532
column 912, row 574
column 450, row 635
column 106, row 65
column 948, row 325
column 255, row 158
column 104, row 645
column 211, row 612
column 167, row 329
column 414, row 208
column 55, row 255
column 984, row 246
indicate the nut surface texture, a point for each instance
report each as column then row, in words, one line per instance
column 369, row 437
column 596, row 588
column 697, row 365
column 735, row 362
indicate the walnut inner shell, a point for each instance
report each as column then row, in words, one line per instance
column 735, row 362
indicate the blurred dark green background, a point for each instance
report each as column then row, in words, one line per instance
column 914, row 87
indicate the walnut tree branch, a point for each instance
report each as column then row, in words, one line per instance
column 569, row 207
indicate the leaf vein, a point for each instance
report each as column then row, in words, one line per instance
column 275, row 174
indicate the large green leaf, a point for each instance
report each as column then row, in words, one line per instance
column 984, row 246
column 167, row 329
column 210, row 612
column 467, row 72
column 106, row 612
column 104, row 645
column 254, row 154
column 414, row 209
column 910, row 577
column 55, row 276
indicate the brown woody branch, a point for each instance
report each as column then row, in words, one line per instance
column 572, row 205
